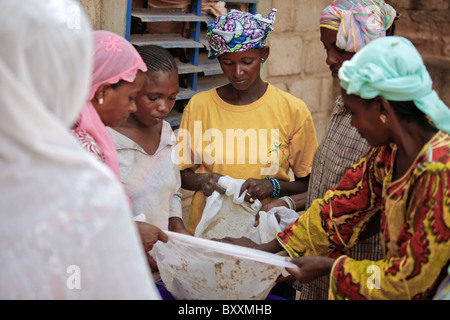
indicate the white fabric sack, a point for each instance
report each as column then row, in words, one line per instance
column 268, row 226
column 228, row 215
column 200, row 269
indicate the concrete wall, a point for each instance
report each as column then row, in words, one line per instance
column 297, row 59
column 107, row 14
column 427, row 25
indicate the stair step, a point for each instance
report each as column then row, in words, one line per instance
column 147, row 15
column 166, row 40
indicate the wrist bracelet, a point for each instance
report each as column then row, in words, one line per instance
column 290, row 202
column 276, row 187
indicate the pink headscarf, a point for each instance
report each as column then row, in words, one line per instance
column 115, row 59
column 357, row 22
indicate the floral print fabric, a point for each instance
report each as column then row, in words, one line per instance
column 239, row 31
column 415, row 225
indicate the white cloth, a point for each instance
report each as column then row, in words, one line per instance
column 199, row 269
column 152, row 182
column 65, row 229
column 229, row 215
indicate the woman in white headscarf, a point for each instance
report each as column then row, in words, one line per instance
column 65, row 230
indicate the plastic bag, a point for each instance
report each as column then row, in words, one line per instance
column 200, row 269
column 228, row 215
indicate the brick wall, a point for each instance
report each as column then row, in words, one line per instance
column 427, row 25
column 297, row 59
column 106, row 14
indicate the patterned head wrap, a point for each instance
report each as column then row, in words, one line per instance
column 238, row 31
column 357, row 21
column 392, row 68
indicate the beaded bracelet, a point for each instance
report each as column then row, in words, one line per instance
column 290, row 202
column 276, row 187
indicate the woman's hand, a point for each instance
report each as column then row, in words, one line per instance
column 256, row 189
column 257, row 217
column 176, row 224
column 205, row 182
column 271, row 246
column 243, row 242
column 311, row 267
column 210, row 184
column 273, row 204
column 150, row 234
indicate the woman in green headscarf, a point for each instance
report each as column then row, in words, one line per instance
column 405, row 177
column 406, row 173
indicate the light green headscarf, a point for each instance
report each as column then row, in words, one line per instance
column 391, row 67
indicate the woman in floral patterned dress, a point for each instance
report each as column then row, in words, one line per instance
column 405, row 176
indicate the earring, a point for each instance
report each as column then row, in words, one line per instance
column 383, row 118
column 100, row 101
column 262, row 60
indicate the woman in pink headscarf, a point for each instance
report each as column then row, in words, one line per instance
column 117, row 78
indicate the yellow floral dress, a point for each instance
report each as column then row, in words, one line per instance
column 415, row 225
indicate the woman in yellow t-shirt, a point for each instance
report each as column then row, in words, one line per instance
column 247, row 129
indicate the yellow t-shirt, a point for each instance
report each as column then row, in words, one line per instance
column 264, row 138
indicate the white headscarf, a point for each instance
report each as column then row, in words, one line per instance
column 65, row 228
